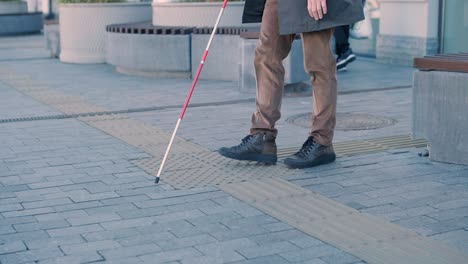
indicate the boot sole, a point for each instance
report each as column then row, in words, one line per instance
column 267, row 159
column 326, row 159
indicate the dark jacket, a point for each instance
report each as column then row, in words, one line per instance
column 294, row 16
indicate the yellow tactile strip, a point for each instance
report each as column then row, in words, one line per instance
column 365, row 236
column 357, row 147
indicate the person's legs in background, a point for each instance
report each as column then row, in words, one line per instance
column 342, row 48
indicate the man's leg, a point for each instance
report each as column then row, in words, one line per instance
column 271, row 50
column 320, row 63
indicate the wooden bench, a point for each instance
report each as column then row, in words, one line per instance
column 440, row 105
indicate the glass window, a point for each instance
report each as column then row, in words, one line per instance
column 455, row 29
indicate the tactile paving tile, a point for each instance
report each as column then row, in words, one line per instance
column 357, row 147
column 365, row 236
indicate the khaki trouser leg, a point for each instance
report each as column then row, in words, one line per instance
column 272, row 48
column 320, row 63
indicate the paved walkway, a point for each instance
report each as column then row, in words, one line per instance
column 80, row 190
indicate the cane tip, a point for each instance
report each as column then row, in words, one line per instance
column 156, row 180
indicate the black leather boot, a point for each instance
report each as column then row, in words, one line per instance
column 310, row 155
column 259, row 147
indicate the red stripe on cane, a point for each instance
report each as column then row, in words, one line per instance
column 194, row 83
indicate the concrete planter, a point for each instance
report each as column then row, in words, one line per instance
column 440, row 114
column 196, row 14
column 148, row 54
column 293, row 65
column 224, row 57
column 15, row 7
column 83, row 28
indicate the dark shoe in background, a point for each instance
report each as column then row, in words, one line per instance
column 344, row 59
column 259, row 147
column 310, row 155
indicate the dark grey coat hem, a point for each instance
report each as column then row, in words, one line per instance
column 294, row 16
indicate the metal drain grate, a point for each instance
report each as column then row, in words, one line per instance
column 365, row 236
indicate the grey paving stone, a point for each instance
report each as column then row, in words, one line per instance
column 39, row 234
column 48, row 184
column 181, row 193
column 110, row 209
column 214, row 218
column 200, row 260
column 190, row 230
column 452, row 204
column 190, row 214
column 74, row 230
column 77, row 206
column 108, row 235
column 264, row 260
column 168, row 226
column 84, row 196
column 12, row 247
column 140, row 239
column 154, row 211
column 27, row 212
column 340, row 258
column 444, row 226
column 30, row 255
column 47, row 203
column 450, row 214
column 271, row 237
column 41, row 225
column 10, row 207
column 248, row 221
column 267, row 249
column 61, row 215
column 172, row 255
column 409, row 213
column 246, row 231
column 127, row 199
column 88, row 247
column 54, row 242
column 458, row 239
column 417, row 221
column 87, row 257
column 181, row 199
column 306, row 241
column 94, row 219
column 176, row 243
column 128, row 223
column 309, row 253
column 275, row 227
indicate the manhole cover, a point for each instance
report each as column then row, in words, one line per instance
column 346, row 121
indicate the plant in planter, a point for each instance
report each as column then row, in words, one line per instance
column 83, row 25
column 196, row 13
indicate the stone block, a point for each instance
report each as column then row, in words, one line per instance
column 149, row 54
column 19, row 24
column 440, row 104
column 223, row 58
column 293, row 65
column 403, row 49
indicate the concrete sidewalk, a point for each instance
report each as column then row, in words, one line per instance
column 80, row 190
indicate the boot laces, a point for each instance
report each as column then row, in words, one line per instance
column 245, row 141
column 306, row 148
